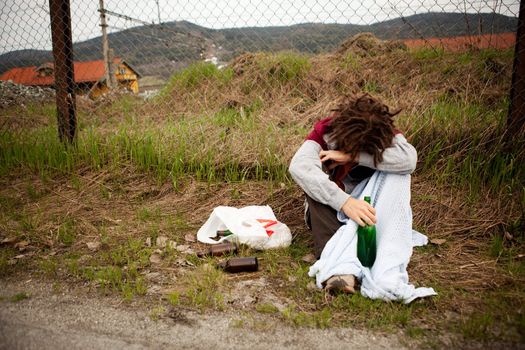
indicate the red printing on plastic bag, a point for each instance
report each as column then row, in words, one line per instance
column 268, row 223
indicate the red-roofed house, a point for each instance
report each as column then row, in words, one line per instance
column 89, row 76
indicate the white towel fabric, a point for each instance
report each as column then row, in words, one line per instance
column 388, row 277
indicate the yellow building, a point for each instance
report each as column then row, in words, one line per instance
column 125, row 76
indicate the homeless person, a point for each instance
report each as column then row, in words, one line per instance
column 344, row 151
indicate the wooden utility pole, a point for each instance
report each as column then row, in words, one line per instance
column 516, row 117
column 105, row 45
column 158, row 9
column 60, row 13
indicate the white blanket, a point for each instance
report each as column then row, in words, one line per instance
column 388, row 277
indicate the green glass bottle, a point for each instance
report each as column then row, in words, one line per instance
column 366, row 243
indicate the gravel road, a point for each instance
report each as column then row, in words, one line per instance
column 62, row 318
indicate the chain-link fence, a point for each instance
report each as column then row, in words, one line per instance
column 445, row 62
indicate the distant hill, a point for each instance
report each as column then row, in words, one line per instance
column 161, row 49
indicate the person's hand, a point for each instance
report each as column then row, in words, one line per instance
column 359, row 211
column 336, row 158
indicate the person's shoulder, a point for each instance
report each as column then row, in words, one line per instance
column 319, row 130
column 323, row 123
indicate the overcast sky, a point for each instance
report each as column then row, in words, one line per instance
column 24, row 24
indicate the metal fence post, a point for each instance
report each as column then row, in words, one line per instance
column 516, row 117
column 63, row 68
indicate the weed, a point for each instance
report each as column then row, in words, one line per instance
column 27, row 222
column 174, row 298
column 266, row 308
column 203, row 288
column 350, row 61
column 285, row 67
column 372, row 86
column 181, row 222
column 194, row 75
column 496, row 247
column 426, row 53
column 73, row 267
column 157, row 312
column 415, row 332
column 477, row 326
column 5, row 257
column 131, row 253
column 19, row 297
column 49, row 266
column 33, row 193
column 113, row 278
column 320, row 319
column 67, row 232
column 237, row 323
column 375, row 313
column 148, row 214
column 75, row 182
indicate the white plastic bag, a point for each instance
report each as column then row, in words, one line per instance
column 255, row 226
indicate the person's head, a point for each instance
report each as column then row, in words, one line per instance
column 362, row 123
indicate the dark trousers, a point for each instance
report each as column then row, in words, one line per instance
column 323, row 222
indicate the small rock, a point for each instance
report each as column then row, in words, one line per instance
column 22, row 245
column 84, row 259
column 189, row 238
column 93, row 245
column 311, row 286
column 8, row 240
column 153, row 275
column 438, row 241
column 161, row 241
column 309, row 258
column 182, row 248
column 153, row 289
column 155, row 258
column 184, row 262
column 148, row 242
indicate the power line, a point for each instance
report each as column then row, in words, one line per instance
column 125, row 17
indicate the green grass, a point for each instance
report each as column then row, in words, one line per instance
column 320, row 319
column 49, row 266
column 147, row 214
column 375, row 314
column 351, row 61
column 19, row 297
column 6, row 256
column 203, row 288
column 67, row 232
column 114, row 278
column 194, row 75
column 477, row 326
column 167, row 153
column 479, row 161
column 174, row 298
column 426, row 53
column 284, row 67
column 157, row 312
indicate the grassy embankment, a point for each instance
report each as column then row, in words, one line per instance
column 156, row 168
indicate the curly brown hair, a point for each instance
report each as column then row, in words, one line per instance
column 362, row 123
